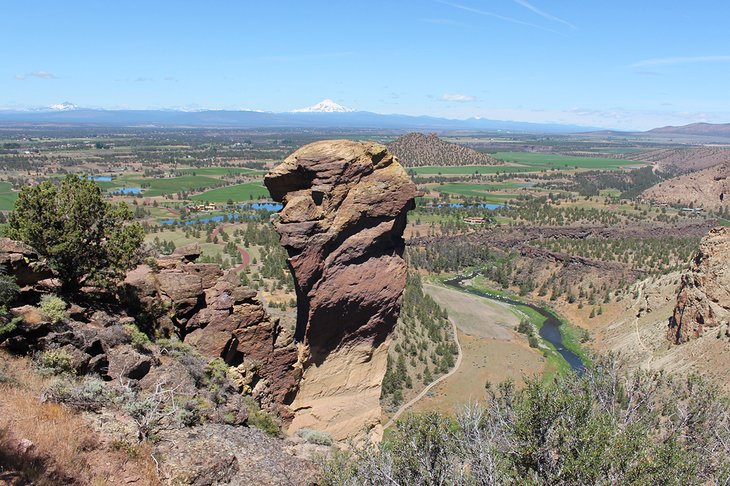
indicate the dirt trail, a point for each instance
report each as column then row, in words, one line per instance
column 245, row 257
column 441, row 378
column 487, row 338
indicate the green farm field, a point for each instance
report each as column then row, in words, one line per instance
column 550, row 161
column 480, row 190
column 160, row 187
column 236, row 193
column 218, row 171
column 7, row 197
column 470, row 169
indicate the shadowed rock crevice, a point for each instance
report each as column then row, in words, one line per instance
column 345, row 206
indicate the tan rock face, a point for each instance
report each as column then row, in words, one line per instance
column 345, row 206
column 703, row 301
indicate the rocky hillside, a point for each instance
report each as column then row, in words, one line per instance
column 688, row 308
column 418, row 150
column 683, row 160
column 345, row 206
column 703, row 302
column 708, row 189
column 183, row 377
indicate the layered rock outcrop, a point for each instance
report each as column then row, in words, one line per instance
column 220, row 317
column 703, row 301
column 345, row 206
column 22, row 261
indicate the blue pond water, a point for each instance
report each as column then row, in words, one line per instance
column 128, row 190
column 268, row 206
column 489, row 206
column 210, row 219
column 101, row 178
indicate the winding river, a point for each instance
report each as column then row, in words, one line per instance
column 550, row 330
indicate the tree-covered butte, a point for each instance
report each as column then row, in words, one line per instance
column 85, row 239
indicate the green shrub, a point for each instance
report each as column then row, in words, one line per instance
column 174, row 347
column 533, row 341
column 193, row 412
column 7, row 329
column 607, row 426
column 85, row 239
column 56, row 361
column 261, row 420
column 89, row 394
column 315, row 436
column 53, row 308
column 9, row 290
column 265, row 422
column 525, row 327
column 140, row 340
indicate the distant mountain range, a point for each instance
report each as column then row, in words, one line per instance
column 705, row 129
column 325, row 106
column 324, row 115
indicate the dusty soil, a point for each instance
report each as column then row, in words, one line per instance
column 483, row 360
column 492, row 350
column 474, row 315
column 638, row 332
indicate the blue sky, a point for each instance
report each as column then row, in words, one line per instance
column 609, row 63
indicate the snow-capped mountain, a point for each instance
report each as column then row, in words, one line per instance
column 65, row 106
column 325, row 106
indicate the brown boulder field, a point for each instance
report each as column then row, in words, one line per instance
column 345, row 206
column 703, row 301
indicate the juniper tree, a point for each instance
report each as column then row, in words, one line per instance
column 85, row 239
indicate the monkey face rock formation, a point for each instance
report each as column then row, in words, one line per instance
column 704, row 294
column 345, row 206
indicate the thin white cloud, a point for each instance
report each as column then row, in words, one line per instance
column 36, row 74
column 670, row 61
column 542, row 13
column 42, row 75
column 460, row 98
column 495, row 15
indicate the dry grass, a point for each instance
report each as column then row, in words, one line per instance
column 65, row 449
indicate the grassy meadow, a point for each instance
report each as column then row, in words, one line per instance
column 7, row 197
column 470, row 169
column 160, row 187
column 556, row 161
column 237, row 193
